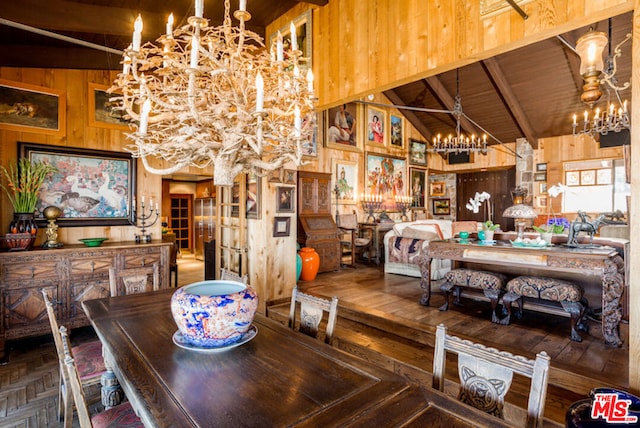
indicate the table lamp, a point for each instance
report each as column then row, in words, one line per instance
column 520, row 211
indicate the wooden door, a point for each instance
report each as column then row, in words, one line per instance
column 231, row 228
column 180, row 220
column 497, row 183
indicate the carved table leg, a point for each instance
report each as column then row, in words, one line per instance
column 424, row 261
column 111, row 392
column 612, row 287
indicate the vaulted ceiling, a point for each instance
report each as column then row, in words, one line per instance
column 531, row 92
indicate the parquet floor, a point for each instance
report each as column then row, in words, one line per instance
column 29, row 381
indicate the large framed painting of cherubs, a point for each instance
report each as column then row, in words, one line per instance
column 340, row 127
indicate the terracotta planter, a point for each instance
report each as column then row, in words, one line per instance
column 310, row 263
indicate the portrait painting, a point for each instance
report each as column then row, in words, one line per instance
column 418, row 187
column 375, row 126
column 417, row 153
column 397, row 130
column 285, row 198
column 385, row 176
column 340, row 127
column 345, row 179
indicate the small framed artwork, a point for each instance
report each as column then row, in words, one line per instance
column 437, row 188
column 275, row 176
column 285, row 197
column 541, row 201
column 543, row 187
column 304, row 33
column 588, row 177
column 340, row 130
column 397, row 131
column 375, row 130
column 418, row 185
column 541, row 167
column 253, row 196
column 417, row 153
column 102, row 111
column 29, row 108
column 603, row 176
column 281, row 226
column 345, row 179
column 441, row 206
column 310, row 147
column 572, row 178
column 540, row 176
column 289, row 176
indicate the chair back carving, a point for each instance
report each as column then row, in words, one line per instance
column 232, row 276
column 348, row 221
column 71, row 374
column 486, row 374
column 134, row 280
column 312, row 311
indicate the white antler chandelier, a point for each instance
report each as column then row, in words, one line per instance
column 215, row 96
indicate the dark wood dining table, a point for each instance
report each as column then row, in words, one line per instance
column 280, row 378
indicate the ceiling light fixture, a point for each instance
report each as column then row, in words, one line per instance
column 590, row 48
column 458, row 143
column 206, row 95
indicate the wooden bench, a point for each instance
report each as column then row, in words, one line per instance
column 491, row 283
column 569, row 295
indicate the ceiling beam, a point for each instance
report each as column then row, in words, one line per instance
column 516, row 110
column 448, row 101
column 409, row 115
column 57, row 57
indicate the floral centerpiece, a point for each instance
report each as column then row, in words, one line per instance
column 23, row 183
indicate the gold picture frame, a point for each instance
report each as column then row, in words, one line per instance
column 101, row 110
column 437, row 188
column 304, row 35
column 334, row 137
column 30, row 108
column 345, row 178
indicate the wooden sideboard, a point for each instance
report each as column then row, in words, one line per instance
column 70, row 275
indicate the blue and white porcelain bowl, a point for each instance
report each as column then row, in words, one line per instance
column 212, row 314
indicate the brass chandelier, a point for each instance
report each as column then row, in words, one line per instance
column 204, row 95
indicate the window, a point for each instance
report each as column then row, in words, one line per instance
column 595, row 186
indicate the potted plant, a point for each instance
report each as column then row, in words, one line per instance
column 24, row 180
column 489, row 227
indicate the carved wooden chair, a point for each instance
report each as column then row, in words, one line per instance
column 486, row 374
column 89, row 363
column 119, row 416
column 351, row 243
column 312, row 311
column 134, row 280
column 232, row 276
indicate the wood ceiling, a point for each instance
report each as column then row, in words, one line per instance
column 531, row 92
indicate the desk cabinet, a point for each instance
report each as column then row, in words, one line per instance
column 70, row 275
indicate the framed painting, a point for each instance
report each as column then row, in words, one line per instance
column 418, row 185
column 102, row 111
column 541, row 201
column 29, row 108
column 254, row 185
column 345, row 179
column 417, row 153
column 304, row 39
column 588, row 177
column 540, row 176
column 375, row 130
column 437, row 188
column 572, row 178
column 541, row 167
column 603, row 176
column 441, row 206
column 91, row 187
column 385, row 176
column 289, row 176
column 340, row 130
column 310, row 147
column 396, row 124
column 281, row 226
column 543, row 188
column 285, row 198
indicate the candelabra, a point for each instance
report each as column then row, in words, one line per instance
column 458, row 144
column 143, row 218
column 371, row 203
column 403, row 203
column 613, row 121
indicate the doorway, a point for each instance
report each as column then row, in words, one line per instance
column 180, row 220
column 497, row 183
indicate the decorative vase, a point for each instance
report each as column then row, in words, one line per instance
column 310, row 263
column 298, row 266
column 23, row 223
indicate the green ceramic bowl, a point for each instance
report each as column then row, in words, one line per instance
column 93, row 242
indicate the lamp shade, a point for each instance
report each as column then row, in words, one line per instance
column 520, row 211
column 589, row 48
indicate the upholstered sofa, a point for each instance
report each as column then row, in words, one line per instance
column 405, row 242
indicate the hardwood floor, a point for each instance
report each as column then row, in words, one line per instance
column 380, row 319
